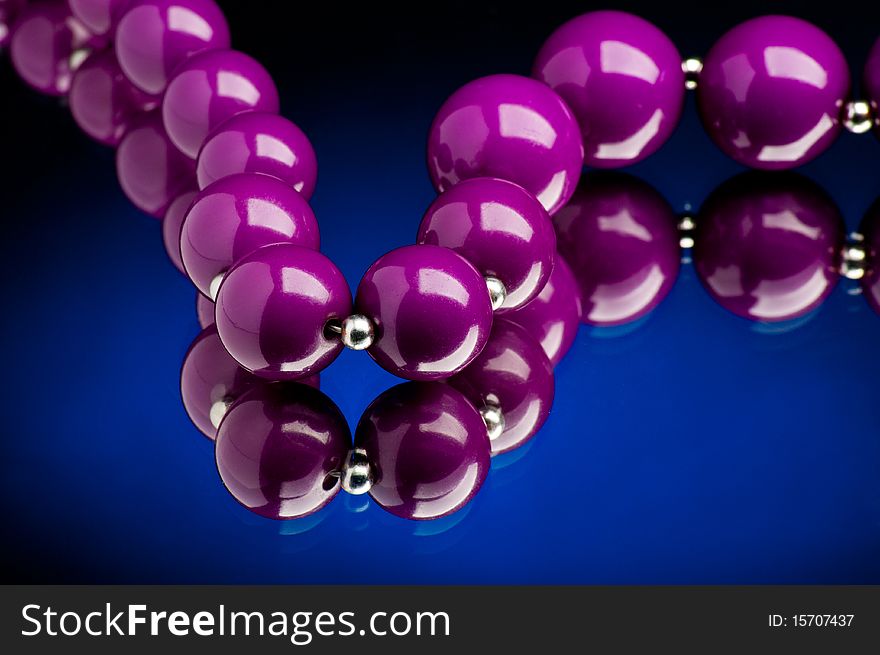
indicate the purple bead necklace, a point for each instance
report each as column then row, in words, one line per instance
column 478, row 312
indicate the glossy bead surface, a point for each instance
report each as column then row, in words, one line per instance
column 204, row 310
column 554, row 315
column 622, row 77
column 621, row 239
column 871, row 82
column 273, row 307
column 431, row 310
column 42, row 41
column 870, row 230
column 9, row 11
column 771, row 92
column 172, row 224
column 429, row 449
column 99, row 16
column 510, row 127
column 512, row 372
column 257, row 142
column 768, row 247
column 103, row 102
column 155, row 36
column 151, row 171
column 279, row 448
column 500, row 228
column 236, row 215
column 209, row 88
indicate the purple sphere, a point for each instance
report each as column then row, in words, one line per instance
column 500, row 228
column 768, row 246
column 510, row 127
column 870, row 229
column 151, row 171
column 208, row 89
column 103, row 102
column 871, row 81
column 99, row 16
column 623, row 80
column 429, row 447
column 204, row 310
column 431, row 310
column 280, row 448
column 554, row 315
column 256, row 142
column 155, row 36
column 9, row 11
column 273, row 308
column 512, row 372
column 621, row 239
column 172, row 224
column 771, row 91
column 235, row 216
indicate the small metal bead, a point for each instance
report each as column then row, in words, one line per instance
column 357, row 472
column 357, row 332
column 858, row 117
column 214, row 287
column 497, row 292
column 852, row 263
column 691, row 67
column 218, row 411
column 494, row 420
column 77, row 57
column 686, row 227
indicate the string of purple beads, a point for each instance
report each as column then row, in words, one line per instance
column 199, row 144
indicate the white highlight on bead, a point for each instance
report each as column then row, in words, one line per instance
column 691, row 67
column 858, row 117
column 686, row 227
column 853, row 257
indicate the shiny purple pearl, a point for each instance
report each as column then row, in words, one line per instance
column 280, row 448
column 871, row 81
column 500, row 228
column 510, row 127
column 431, row 310
column 623, row 80
column 208, row 89
column 151, row 171
column 768, row 247
column 9, row 11
column 171, row 227
column 155, row 36
column 554, row 315
column 513, row 373
column 102, row 100
column 273, row 308
column 870, row 230
column 99, row 16
column 43, row 39
column 771, row 91
column 256, row 142
column 429, row 447
column 235, row 216
column 204, row 310
column 621, row 239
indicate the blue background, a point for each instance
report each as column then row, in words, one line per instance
column 692, row 447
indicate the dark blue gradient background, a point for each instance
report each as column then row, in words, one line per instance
column 693, row 447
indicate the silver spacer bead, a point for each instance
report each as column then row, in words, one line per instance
column 77, row 57
column 858, row 117
column 493, row 419
column 356, row 331
column 357, row 472
column 497, row 292
column 691, row 67
column 686, row 227
column 218, row 410
column 214, row 287
column 853, row 258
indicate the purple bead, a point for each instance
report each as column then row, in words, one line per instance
column 256, row 142
column 512, row 372
column 768, row 246
column 771, row 91
column 204, row 310
column 151, row 171
column 870, row 230
column 280, row 448
column 44, row 37
column 155, row 36
column 273, row 308
column 102, row 100
column 99, row 16
column 429, row 447
column 431, row 310
column 208, row 89
column 623, row 80
column 235, row 216
column 871, row 81
column 500, row 228
column 554, row 315
column 171, row 227
column 510, row 127
column 621, row 239
column 9, row 11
